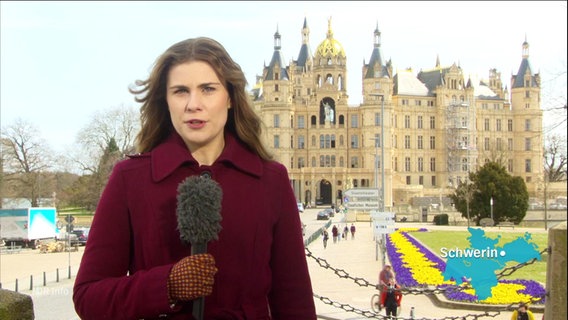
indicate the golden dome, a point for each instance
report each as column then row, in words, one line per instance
column 330, row 46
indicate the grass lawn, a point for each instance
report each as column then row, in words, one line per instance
column 435, row 240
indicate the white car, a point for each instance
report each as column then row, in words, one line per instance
column 300, row 207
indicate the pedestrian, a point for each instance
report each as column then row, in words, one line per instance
column 325, row 238
column 352, row 231
column 196, row 120
column 385, row 276
column 522, row 313
column 391, row 298
column 345, row 231
column 334, row 233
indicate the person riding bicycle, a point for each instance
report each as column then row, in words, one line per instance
column 391, row 298
column 385, row 276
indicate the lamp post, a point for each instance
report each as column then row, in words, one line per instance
column 382, row 190
column 491, row 204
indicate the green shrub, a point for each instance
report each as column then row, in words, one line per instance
column 441, row 219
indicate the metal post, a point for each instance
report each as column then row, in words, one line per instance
column 545, row 205
column 491, row 204
column 383, row 153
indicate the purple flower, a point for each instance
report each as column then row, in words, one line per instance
column 406, row 279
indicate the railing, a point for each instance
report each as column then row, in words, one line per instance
column 316, row 234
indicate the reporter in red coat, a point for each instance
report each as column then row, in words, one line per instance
column 196, row 120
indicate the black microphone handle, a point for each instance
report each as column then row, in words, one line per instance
column 199, row 303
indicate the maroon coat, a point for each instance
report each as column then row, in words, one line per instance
column 134, row 241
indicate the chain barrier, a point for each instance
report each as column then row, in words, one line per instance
column 426, row 290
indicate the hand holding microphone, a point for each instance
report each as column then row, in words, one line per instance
column 192, row 277
column 198, row 214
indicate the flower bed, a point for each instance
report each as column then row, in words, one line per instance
column 417, row 266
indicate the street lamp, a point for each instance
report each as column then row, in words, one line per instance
column 491, row 204
column 382, row 193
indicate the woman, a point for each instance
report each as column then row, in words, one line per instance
column 522, row 313
column 196, row 120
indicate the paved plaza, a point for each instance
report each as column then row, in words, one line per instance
column 359, row 258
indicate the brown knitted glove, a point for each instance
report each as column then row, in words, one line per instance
column 192, row 277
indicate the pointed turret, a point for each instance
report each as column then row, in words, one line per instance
column 305, row 51
column 276, row 61
column 525, row 78
column 376, row 67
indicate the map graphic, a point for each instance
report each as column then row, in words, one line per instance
column 483, row 258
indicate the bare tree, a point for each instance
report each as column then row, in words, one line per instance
column 118, row 124
column 555, row 161
column 25, row 156
column 104, row 141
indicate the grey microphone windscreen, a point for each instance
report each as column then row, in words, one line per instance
column 199, row 210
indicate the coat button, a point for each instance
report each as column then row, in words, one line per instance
column 206, row 174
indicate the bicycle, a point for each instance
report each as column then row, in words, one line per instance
column 376, row 303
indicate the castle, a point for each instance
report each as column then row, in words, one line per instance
column 416, row 135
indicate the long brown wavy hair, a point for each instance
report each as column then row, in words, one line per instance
column 155, row 119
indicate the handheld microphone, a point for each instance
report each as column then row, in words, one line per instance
column 198, row 216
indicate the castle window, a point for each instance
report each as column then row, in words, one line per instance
column 528, row 166
column 276, row 141
column 354, row 162
column 301, row 122
column 377, row 119
column 329, row 79
column 528, row 125
column 354, row 121
column 528, row 144
column 354, row 141
column 276, row 121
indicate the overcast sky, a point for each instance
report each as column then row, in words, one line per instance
column 63, row 61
